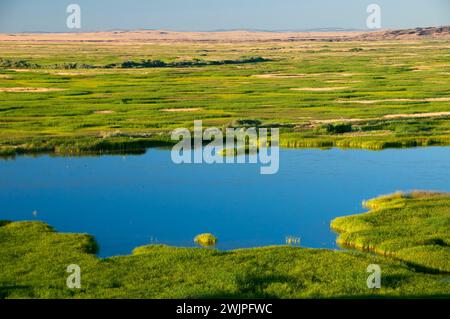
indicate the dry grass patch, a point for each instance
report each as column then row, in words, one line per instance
column 73, row 73
column 343, row 81
column 104, row 112
column 29, row 90
column 417, row 115
column 346, row 74
column 432, row 99
column 26, row 70
column 287, row 76
column 369, row 134
column 279, row 76
column 341, row 120
column 387, row 116
column 422, row 68
column 324, row 89
column 191, row 109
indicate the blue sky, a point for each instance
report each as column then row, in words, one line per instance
column 207, row 15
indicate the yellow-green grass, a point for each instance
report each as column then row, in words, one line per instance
column 413, row 227
column 337, row 84
column 34, row 260
column 206, row 240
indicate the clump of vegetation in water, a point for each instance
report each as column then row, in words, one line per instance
column 206, row 240
column 292, row 240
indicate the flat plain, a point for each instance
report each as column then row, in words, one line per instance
column 121, row 91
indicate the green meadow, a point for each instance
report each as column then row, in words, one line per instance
column 34, row 259
column 78, row 97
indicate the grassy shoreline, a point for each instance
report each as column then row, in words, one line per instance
column 33, row 259
column 139, row 145
column 411, row 227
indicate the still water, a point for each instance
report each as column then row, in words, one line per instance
column 129, row 201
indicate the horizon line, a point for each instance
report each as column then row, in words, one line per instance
column 324, row 30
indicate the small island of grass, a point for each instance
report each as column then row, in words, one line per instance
column 206, row 240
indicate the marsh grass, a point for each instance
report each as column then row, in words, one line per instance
column 206, row 240
column 34, row 258
column 224, row 94
column 292, row 240
column 413, row 227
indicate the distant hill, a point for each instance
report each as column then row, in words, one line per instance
column 408, row 34
column 143, row 36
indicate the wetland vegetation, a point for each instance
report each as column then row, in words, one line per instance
column 412, row 227
column 34, row 258
column 69, row 97
column 362, row 94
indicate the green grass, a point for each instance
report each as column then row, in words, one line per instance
column 34, row 259
column 73, row 120
column 412, row 227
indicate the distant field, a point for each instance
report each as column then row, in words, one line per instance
column 65, row 97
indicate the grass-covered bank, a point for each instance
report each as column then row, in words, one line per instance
column 85, row 145
column 412, row 227
column 34, row 259
column 138, row 144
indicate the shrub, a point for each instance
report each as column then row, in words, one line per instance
column 246, row 123
column 337, row 128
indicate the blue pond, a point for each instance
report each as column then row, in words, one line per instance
column 129, row 201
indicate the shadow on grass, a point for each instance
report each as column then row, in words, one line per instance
column 4, row 222
column 249, row 286
column 5, row 291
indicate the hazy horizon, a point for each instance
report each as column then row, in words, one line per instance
column 46, row 16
